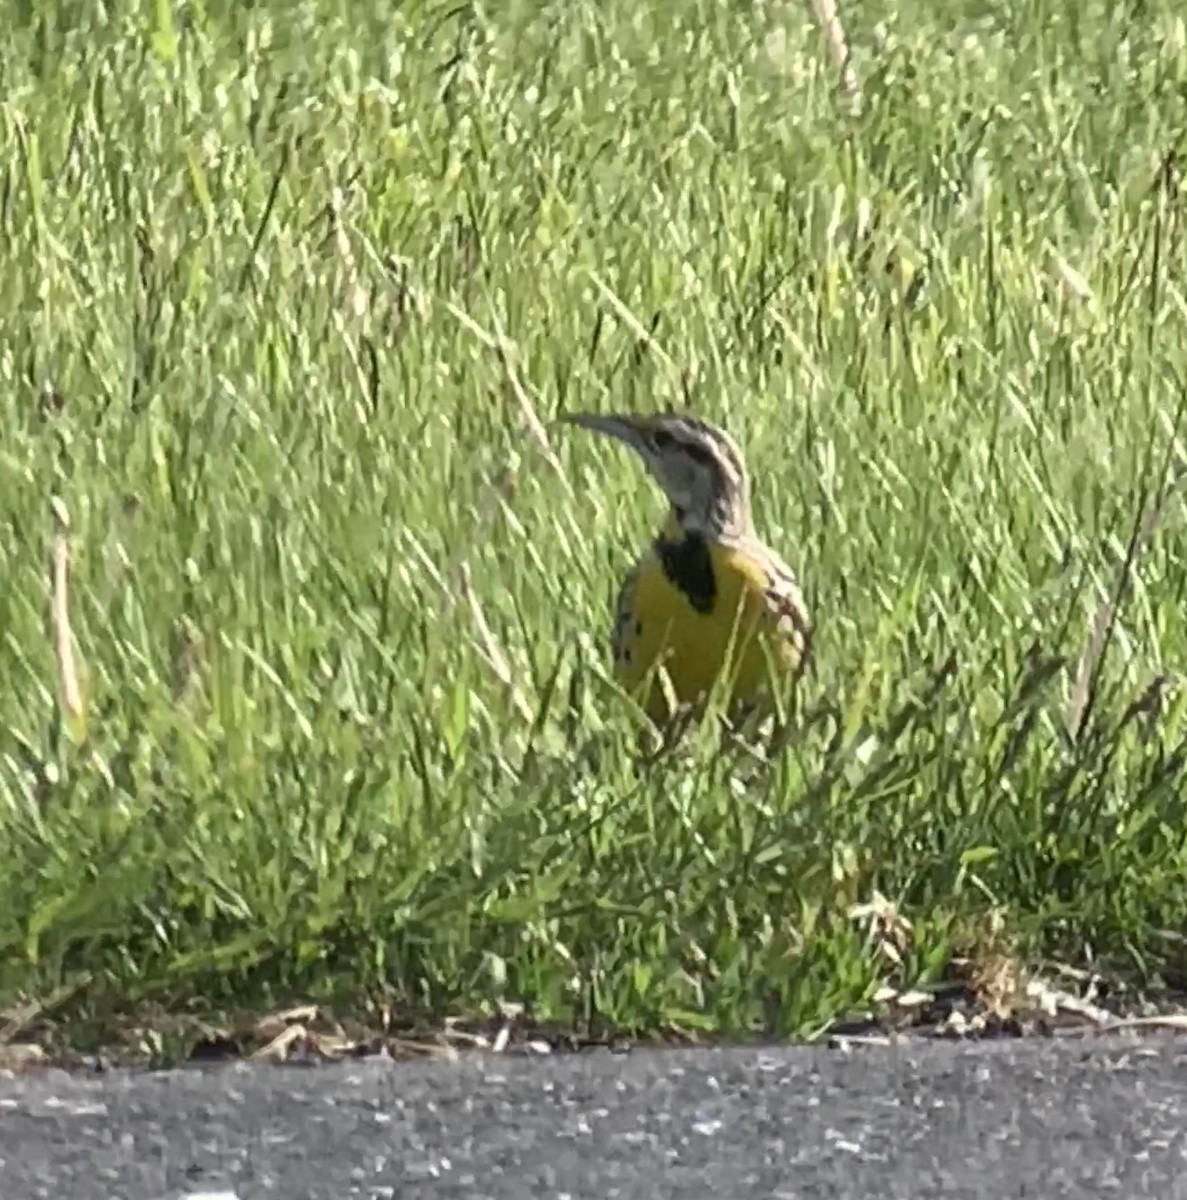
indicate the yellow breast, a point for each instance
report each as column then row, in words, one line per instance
column 737, row 636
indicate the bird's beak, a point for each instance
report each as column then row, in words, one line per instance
column 623, row 427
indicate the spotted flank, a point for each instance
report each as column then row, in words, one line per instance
column 784, row 597
column 624, row 619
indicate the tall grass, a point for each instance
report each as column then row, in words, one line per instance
column 291, row 296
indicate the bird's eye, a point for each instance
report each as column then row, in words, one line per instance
column 699, row 454
column 661, row 439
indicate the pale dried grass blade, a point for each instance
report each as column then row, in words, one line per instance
column 829, row 19
column 69, row 687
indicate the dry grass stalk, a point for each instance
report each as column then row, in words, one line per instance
column 504, row 350
column 489, row 646
column 1102, row 624
column 69, row 688
column 829, row 20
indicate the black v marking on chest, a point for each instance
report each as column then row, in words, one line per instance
column 689, row 567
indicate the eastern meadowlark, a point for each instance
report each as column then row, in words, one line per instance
column 707, row 600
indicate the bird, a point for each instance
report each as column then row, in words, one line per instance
column 707, row 600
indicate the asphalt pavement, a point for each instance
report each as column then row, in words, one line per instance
column 1032, row 1118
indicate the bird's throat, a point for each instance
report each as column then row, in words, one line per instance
column 688, row 565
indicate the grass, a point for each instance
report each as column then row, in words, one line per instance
column 291, row 296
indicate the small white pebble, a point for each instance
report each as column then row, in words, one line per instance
column 707, row 1128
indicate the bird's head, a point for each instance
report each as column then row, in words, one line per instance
column 697, row 465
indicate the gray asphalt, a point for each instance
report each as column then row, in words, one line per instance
column 1038, row 1119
